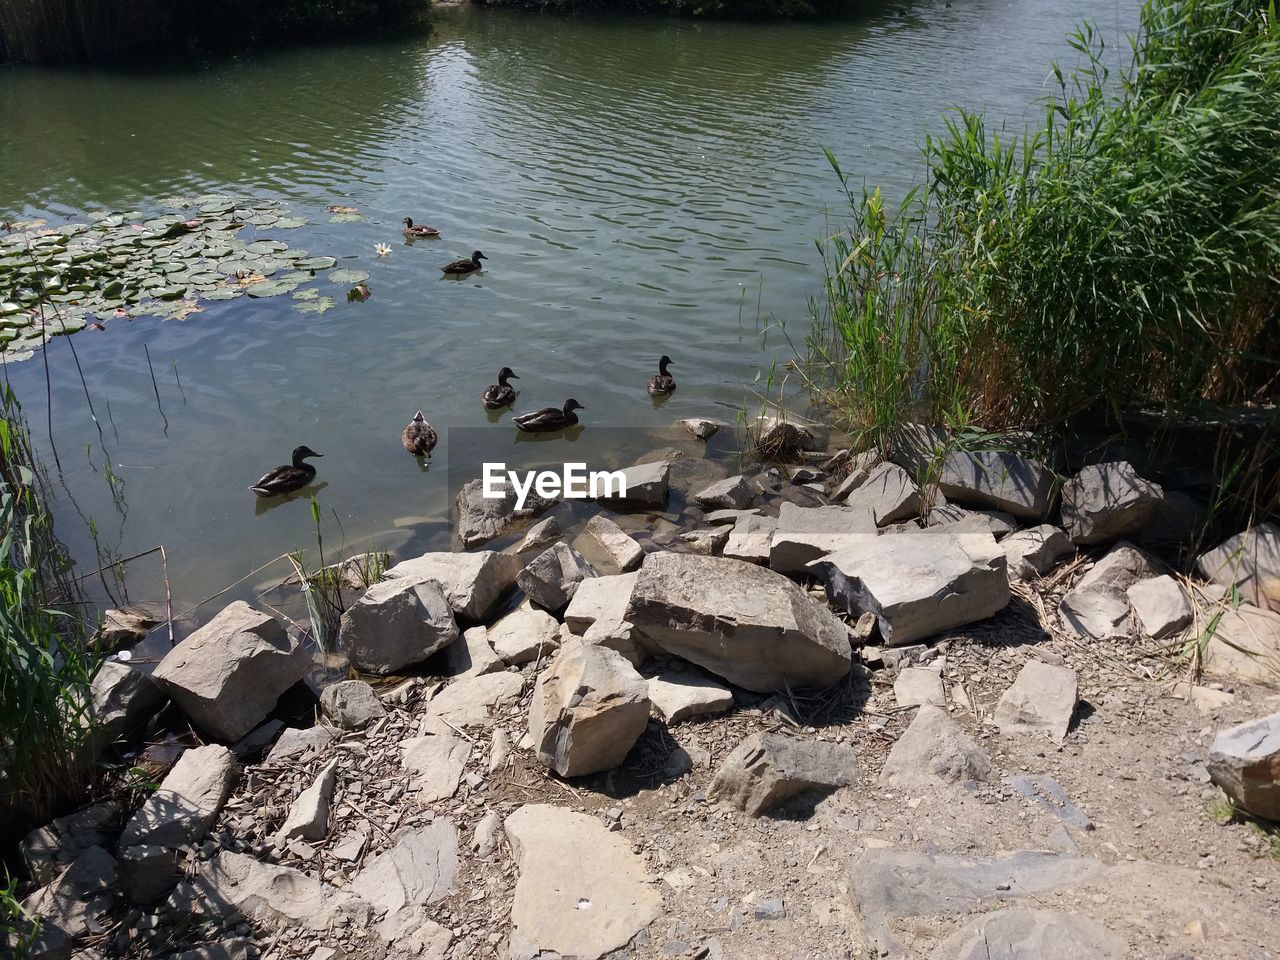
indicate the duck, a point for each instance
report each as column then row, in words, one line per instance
column 501, row 394
column 459, row 267
column 286, row 479
column 419, row 437
column 662, row 383
column 418, row 231
column 549, row 418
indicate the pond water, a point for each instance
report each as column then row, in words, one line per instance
column 639, row 186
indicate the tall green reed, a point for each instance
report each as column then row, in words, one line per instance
column 1123, row 253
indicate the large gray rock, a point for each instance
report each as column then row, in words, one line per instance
column 300, row 743
column 1161, row 605
column 582, row 893
column 588, row 710
column 351, row 704
column 957, row 519
column 889, row 884
column 551, row 579
column 187, row 802
column 767, row 769
column 1249, row 561
column 121, row 700
column 148, row 872
column 1107, row 501
column 228, row 675
column 1035, row 551
column 525, row 634
column 753, row 627
column 732, row 493
column 1098, row 605
column 474, row 583
column 997, row 479
column 1245, row 762
column 616, row 545
column 804, row 534
column 646, row 484
column 397, row 623
column 1042, row 698
column 1245, row 644
column 472, row 655
column 1018, row 934
column 780, row 434
column 599, row 598
column 932, row 750
column 888, row 493
column 481, row 519
column 916, row 686
column 268, row 893
column 918, row 585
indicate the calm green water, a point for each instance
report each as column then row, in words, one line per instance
column 640, row 187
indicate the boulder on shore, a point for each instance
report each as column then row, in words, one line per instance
column 998, row 479
column 751, row 626
column 474, row 583
column 187, row 802
column 918, row 585
column 397, row 623
column 768, row 769
column 1106, row 501
column 588, row 710
column 551, row 579
column 1245, row 762
column 1249, row 561
column 228, row 675
column 1098, row 605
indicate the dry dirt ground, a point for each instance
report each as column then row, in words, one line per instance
column 1174, row 879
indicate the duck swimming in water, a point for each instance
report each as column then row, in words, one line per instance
column 501, row 394
column 549, row 418
column 419, row 437
column 415, row 231
column 662, row 383
column 287, row 479
column 459, row 267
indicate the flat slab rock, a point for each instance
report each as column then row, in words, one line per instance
column 677, row 694
column 524, row 635
column 473, row 583
column 1042, row 698
column 1245, row 645
column 417, row 871
column 1098, row 605
column 915, row 686
column 1245, row 762
column 918, row 584
column 767, row 769
column 274, row 894
column 473, row 702
column 228, row 675
column 1018, row 934
column 934, row 750
column 1162, row 606
column 751, row 626
column 998, row 479
column 183, row 808
column 892, row 884
column 582, row 893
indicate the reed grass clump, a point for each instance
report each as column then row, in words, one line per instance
column 45, row 669
column 1123, row 253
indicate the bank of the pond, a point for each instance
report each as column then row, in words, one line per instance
column 72, row 31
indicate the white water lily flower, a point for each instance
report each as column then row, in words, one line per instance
column 383, row 249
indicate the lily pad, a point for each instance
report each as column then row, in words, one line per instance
column 318, row 305
column 271, row 288
column 346, row 218
column 345, row 276
column 266, row 246
column 288, row 223
column 169, row 293
column 224, row 293
column 311, row 293
column 316, row 263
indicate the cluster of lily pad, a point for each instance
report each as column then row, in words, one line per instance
column 60, row 279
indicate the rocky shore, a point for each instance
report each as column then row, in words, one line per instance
column 826, row 711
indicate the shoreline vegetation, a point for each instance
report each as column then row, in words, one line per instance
column 1123, row 256
column 88, row 31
